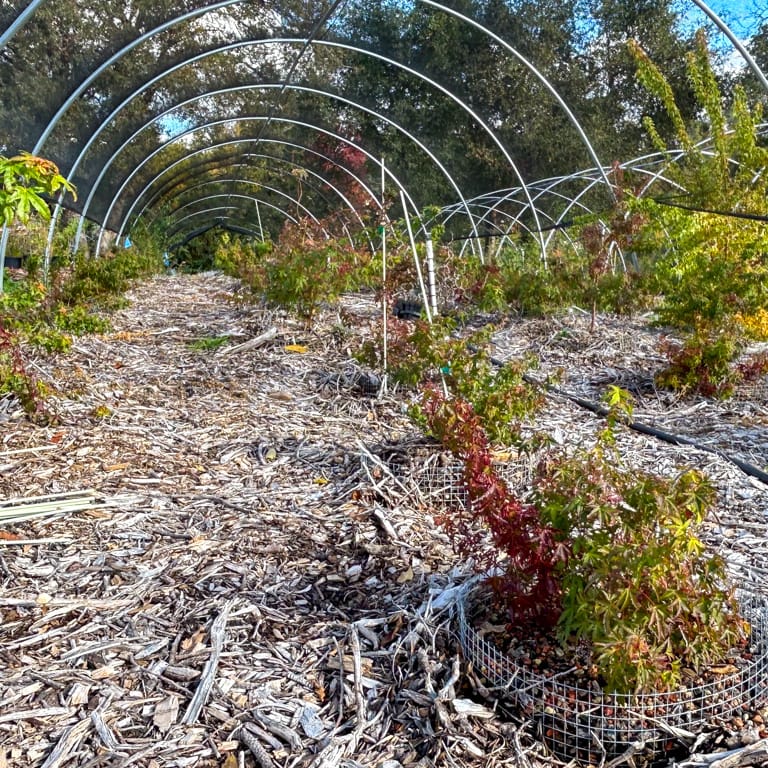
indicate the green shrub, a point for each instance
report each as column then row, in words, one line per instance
column 17, row 379
column 701, row 364
column 607, row 554
column 709, row 260
column 243, row 259
column 24, row 179
column 307, row 269
column 420, row 353
column 98, row 280
column 639, row 586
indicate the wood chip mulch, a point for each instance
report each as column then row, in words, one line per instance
column 217, row 569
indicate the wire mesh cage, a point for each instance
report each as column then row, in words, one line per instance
column 438, row 481
column 590, row 726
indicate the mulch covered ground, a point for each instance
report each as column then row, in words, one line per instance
column 216, row 566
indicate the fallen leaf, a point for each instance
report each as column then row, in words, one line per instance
column 117, row 467
column 6, row 536
column 320, row 481
column 299, row 348
column 166, row 713
column 405, row 576
column 193, row 641
column 724, row 669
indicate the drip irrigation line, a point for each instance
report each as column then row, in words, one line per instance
column 715, row 212
column 565, row 224
column 637, row 426
column 661, row 434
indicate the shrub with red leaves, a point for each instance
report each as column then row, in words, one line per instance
column 525, row 554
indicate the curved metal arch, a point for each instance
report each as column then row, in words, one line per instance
column 207, row 210
column 542, row 79
column 283, row 86
column 259, row 86
column 252, row 198
column 735, row 42
column 242, row 225
column 254, row 140
column 257, row 184
column 266, row 204
column 19, row 22
column 232, row 180
column 236, row 120
column 282, row 142
column 202, row 230
column 115, row 57
column 393, row 62
column 253, row 183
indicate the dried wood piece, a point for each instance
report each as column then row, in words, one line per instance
column 166, row 713
column 752, row 754
column 288, row 735
column 106, row 735
column 67, row 743
column 259, row 753
column 258, row 341
column 37, row 714
column 218, row 630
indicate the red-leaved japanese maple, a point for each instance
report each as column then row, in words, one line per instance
column 523, row 554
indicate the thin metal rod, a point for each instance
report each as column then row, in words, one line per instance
column 258, row 219
column 539, row 75
column 424, row 296
column 3, row 246
column 735, row 42
column 431, row 275
column 19, row 22
column 384, row 293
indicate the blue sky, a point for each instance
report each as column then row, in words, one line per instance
column 735, row 13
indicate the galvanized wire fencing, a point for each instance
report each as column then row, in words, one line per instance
column 590, row 726
column 579, row 721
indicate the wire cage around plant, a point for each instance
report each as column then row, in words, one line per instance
column 428, row 477
column 585, row 724
column 439, row 481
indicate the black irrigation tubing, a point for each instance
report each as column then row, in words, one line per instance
column 730, row 214
column 668, row 437
column 637, row 426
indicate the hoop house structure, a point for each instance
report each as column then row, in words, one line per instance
column 319, row 136
column 146, row 107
